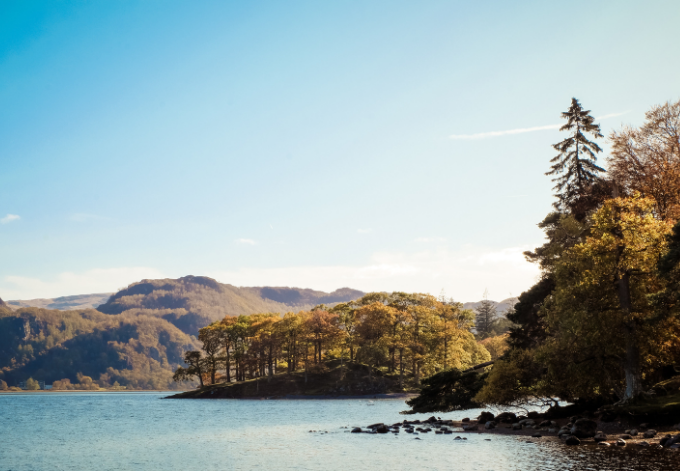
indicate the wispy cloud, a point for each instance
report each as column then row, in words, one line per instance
column 9, row 218
column 485, row 135
column 364, row 231
column 245, row 241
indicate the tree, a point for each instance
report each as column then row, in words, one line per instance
column 574, row 167
column 211, row 337
column 3, row 385
column 486, row 313
column 604, row 328
column 647, row 159
column 196, row 368
column 32, row 385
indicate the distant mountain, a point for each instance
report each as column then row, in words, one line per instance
column 193, row 302
column 501, row 307
column 64, row 303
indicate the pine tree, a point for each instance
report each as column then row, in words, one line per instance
column 486, row 314
column 574, row 167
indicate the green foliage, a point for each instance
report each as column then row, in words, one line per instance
column 32, row 385
column 448, row 391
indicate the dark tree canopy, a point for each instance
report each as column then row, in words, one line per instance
column 447, row 391
column 530, row 330
column 574, row 168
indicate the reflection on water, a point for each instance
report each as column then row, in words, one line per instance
column 139, row 431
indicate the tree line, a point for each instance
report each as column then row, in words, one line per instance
column 409, row 335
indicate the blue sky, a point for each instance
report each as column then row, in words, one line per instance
column 310, row 144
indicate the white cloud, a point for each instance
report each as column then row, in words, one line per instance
column 9, row 218
column 364, row 231
column 98, row 280
column 464, row 273
column 245, row 241
column 430, row 239
column 484, row 135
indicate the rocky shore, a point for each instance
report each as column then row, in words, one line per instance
column 573, row 431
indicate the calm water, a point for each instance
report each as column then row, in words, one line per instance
column 139, row 431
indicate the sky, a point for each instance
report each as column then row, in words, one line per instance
column 378, row 145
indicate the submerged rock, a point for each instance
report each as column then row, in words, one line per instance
column 620, row 442
column 584, row 428
column 573, row 441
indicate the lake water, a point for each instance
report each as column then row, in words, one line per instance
column 140, row 431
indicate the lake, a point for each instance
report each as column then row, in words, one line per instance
column 140, row 431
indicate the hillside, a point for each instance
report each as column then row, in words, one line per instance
column 501, row 307
column 49, row 345
column 64, row 303
column 193, row 302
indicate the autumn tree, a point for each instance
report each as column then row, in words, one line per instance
column 196, row 368
column 32, row 385
column 647, row 159
column 574, row 168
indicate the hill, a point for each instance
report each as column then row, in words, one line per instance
column 501, row 307
column 64, row 303
column 193, row 302
column 49, row 345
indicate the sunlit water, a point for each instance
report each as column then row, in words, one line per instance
column 140, row 431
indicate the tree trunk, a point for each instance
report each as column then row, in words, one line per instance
column 228, row 366
column 631, row 364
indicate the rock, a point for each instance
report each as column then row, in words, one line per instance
column 620, row 442
column 448, row 432
column 526, row 422
column 490, row 425
column 485, row 417
column 545, row 423
column 651, row 433
column 644, row 426
column 626, row 436
column 466, row 419
column 409, row 430
column 431, row 419
column 375, row 425
column 356, row 430
column 537, row 435
column 642, row 443
column 533, row 415
column 457, row 437
column 516, row 427
column 584, row 428
column 470, row 427
column 663, row 442
column 552, row 430
column 382, row 429
column 600, row 437
column 506, row 417
column 675, row 446
column 633, row 432
column 573, row 441
column 603, row 443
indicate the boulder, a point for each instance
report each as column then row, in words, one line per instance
column 572, row 441
column 552, row 430
column 466, row 419
column 356, row 430
column 584, row 428
column 516, row 427
column 470, row 427
column 375, row 425
column 526, row 422
column 600, row 437
column 651, row 433
column 545, row 423
column 620, row 442
column 382, row 428
column 626, row 436
column 457, row 437
column 537, row 435
column 633, row 432
column 642, row 443
column 603, row 443
column 431, row 420
column 490, row 424
column 506, row 418
column 485, row 417
column 534, row 415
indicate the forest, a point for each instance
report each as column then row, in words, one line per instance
column 407, row 335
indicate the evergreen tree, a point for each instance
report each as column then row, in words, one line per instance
column 485, row 316
column 574, row 167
